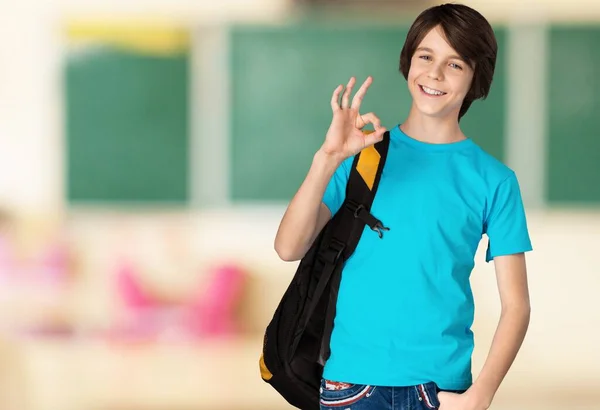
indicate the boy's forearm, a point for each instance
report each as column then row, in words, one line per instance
column 297, row 228
column 507, row 341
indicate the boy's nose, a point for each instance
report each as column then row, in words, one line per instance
column 435, row 73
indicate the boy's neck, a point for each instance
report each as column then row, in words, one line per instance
column 443, row 130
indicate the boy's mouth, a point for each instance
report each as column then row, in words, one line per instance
column 431, row 92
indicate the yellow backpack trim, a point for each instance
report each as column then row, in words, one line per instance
column 264, row 372
column 368, row 162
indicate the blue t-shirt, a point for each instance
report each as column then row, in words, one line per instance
column 405, row 307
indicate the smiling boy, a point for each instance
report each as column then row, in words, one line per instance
column 402, row 334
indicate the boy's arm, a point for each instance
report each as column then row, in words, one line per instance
column 511, row 275
column 306, row 214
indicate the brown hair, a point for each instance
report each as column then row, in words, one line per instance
column 469, row 33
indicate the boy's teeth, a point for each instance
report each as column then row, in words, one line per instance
column 431, row 91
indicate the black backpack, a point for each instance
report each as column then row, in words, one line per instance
column 296, row 341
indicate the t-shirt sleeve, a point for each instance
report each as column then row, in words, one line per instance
column 335, row 193
column 506, row 224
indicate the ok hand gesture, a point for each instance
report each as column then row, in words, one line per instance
column 345, row 137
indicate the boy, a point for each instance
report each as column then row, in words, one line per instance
column 402, row 333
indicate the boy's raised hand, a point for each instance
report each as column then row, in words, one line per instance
column 345, row 137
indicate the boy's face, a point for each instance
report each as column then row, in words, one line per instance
column 438, row 79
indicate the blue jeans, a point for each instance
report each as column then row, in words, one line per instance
column 343, row 396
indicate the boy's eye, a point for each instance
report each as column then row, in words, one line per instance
column 454, row 65
column 427, row 58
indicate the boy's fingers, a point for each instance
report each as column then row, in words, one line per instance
column 374, row 137
column 369, row 118
column 360, row 94
column 335, row 98
column 346, row 96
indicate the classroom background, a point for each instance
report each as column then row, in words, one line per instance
column 148, row 150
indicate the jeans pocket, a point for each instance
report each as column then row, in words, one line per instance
column 427, row 395
column 336, row 394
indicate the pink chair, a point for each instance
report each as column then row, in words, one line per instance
column 212, row 313
column 130, row 290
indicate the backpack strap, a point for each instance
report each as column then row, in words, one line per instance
column 347, row 228
column 361, row 188
column 363, row 182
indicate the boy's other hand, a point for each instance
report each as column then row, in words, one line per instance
column 465, row 401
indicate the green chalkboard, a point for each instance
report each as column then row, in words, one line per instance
column 282, row 79
column 127, row 126
column 573, row 166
